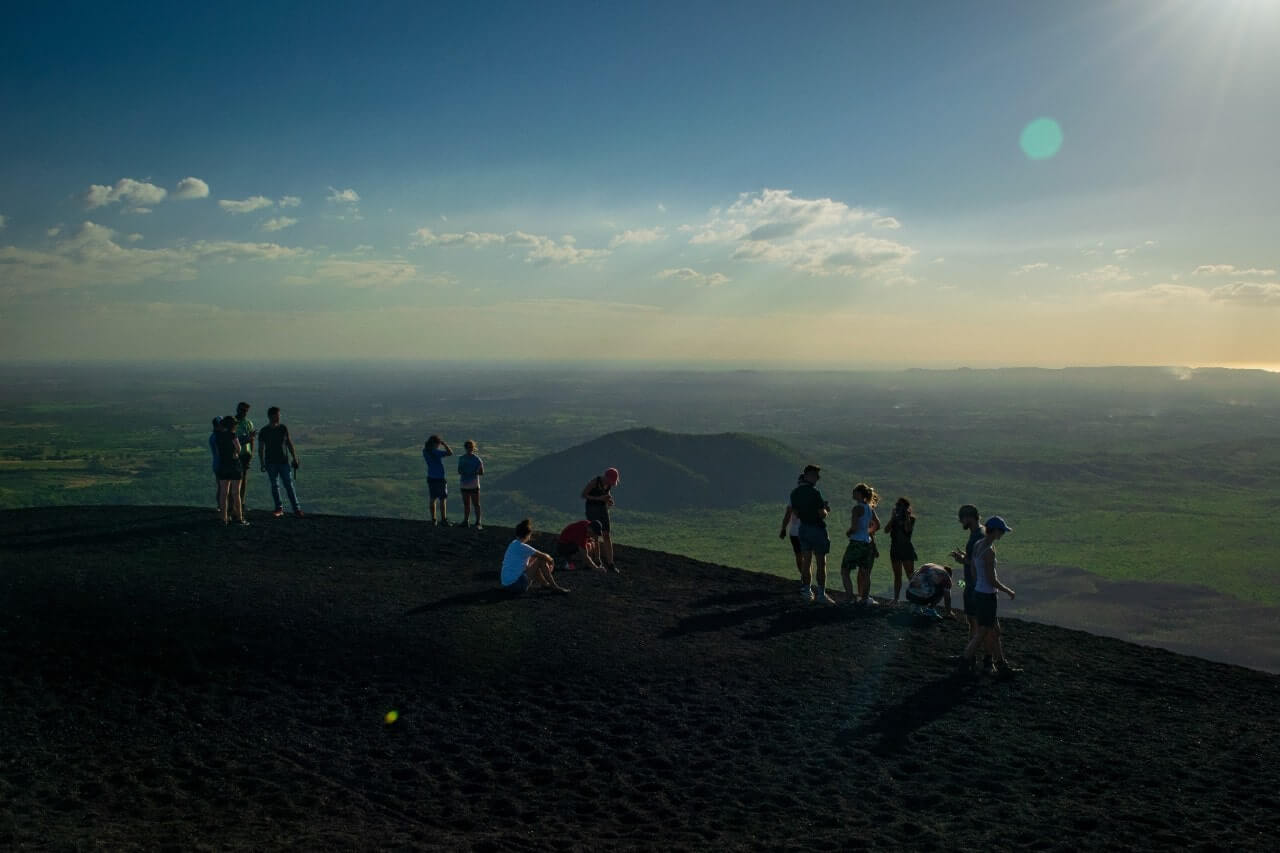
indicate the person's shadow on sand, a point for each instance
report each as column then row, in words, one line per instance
column 896, row 724
column 464, row 599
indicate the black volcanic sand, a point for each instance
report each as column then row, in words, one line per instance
column 173, row 685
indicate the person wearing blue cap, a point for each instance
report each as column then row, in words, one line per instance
column 986, row 584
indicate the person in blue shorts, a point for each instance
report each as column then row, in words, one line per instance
column 807, row 503
column 470, row 470
column 434, row 452
column 524, row 566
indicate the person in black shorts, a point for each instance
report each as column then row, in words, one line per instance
column 791, row 530
column 245, row 435
column 229, row 472
column 815, row 544
column 986, row 585
column 598, row 498
column 273, row 441
column 902, row 554
column 971, row 521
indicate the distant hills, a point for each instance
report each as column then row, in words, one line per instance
column 664, row 470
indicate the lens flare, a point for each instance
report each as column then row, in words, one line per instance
column 1041, row 139
column 391, row 717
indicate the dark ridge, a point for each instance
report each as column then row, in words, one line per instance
column 170, row 684
column 663, row 470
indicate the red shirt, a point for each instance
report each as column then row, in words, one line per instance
column 577, row 533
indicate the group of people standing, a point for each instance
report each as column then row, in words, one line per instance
column 805, row 523
column 470, row 469
column 231, row 444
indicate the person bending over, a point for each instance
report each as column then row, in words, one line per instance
column 581, row 537
column 524, row 566
column 928, row 586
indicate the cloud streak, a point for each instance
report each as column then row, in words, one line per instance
column 248, row 205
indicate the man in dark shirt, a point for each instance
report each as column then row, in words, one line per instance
column 807, row 503
column 273, row 440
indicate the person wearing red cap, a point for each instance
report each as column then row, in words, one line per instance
column 598, row 500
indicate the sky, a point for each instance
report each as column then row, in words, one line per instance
column 794, row 184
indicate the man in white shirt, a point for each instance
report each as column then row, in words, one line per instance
column 524, row 566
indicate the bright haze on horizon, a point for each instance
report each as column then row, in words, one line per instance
column 852, row 184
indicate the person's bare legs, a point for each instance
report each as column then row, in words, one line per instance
column 979, row 638
column 803, row 561
column 475, row 502
column 224, row 490
column 244, row 484
column 606, row 548
column 237, row 505
column 217, row 492
column 864, row 583
column 539, row 572
column 901, row 567
column 847, row 579
column 820, row 571
column 466, row 509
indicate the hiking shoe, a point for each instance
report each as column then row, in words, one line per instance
column 242, row 523
column 297, row 513
column 806, row 593
column 279, row 513
column 479, row 526
column 869, row 601
column 823, row 598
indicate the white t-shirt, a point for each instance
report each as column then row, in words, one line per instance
column 513, row 562
column 793, row 526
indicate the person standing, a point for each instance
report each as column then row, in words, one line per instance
column 902, row 554
column 791, row 530
column 245, row 434
column 580, row 537
column 807, row 502
column 524, row 566
column 434, row 452
column 229, row 478
column 470, row 470
column 273, row 441
column 213, row 449
column 987, row 583
column 970, row 520
column 599, row 498
column 860, row 553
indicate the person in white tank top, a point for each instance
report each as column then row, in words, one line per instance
column 986, row 584
column 860, row 553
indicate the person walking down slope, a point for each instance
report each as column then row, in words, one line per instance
column 213, row 449
column 860, row 553
column 580, row 537
column 245, row 434
column 984, row 599
column 273, row 441
column 902, row 554
column 229, row 472
column 807, row 502
column 524, row 566
column 434, row 452
column 791, row 530
column 599, row 498
column 470, row 470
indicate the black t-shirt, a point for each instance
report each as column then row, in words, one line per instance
column 226, row 441
column 975, row 536
column 807, row 503
column 272, row 438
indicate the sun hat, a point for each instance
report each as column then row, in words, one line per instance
column 611, row 476
column 995, row 522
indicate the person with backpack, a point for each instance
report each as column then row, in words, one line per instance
column 930, row 584
column 597, row 494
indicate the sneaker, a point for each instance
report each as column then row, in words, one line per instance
column 823, row 598
column 870, row 601
column 297, row 513
column 279, row 513
column 243, row 523
column 479, row 526
column 806, row 593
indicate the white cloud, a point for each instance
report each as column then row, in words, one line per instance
column 815, row 236
column 135, row 194
column 54, row 231
column 91, row 256
column 289, row 201
column 1105, row 273
column 887, row 222
column 347, row 196
column 138, row 210
column 1231, row 269
column 662, row 208
column 248, row 205
column 638, row 236
column 1026, row 268
column 1248, row 293
column 133, row 238
column 541, row 250
column 714, row 279
column 937, row 260
column 1165, row 293
column 377, row 274
column 279, row 223
column 191, row 188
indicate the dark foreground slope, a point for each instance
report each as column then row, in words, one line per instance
column 172, row 685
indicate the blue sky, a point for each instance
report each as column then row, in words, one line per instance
column 833, row 183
